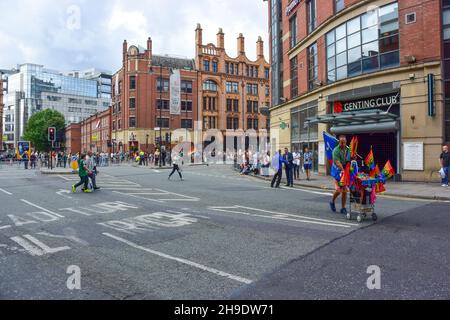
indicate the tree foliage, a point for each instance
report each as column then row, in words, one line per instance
column 37, row 129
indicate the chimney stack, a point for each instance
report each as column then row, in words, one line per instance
column 241, row 44
column 199, row 35
column 220, row 39
column 260, row 48
column 124, row 50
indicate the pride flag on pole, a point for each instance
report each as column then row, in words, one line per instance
column 388, row 171
column 370, row 160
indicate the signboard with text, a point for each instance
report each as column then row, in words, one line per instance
column 384, row 102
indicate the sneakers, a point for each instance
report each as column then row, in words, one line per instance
column 74, row 189
column 87, row 191
column 96, row 188
column 343, row 211
column 444, row 185
column 332, row 206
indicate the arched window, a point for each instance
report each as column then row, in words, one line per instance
column 209, row 85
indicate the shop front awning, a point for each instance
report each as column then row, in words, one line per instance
column 358, row 122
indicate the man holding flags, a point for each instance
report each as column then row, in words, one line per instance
column 341, row 157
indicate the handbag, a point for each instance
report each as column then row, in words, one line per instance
column 442, row 173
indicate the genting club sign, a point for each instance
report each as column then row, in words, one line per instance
column 292, row 6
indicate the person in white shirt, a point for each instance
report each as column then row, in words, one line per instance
column 297, row 163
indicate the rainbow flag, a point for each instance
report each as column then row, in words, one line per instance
column 345, row 178
column 353, row 171
column 353, row 147
column 375, row 173
column 370, row 160
column 388, row 170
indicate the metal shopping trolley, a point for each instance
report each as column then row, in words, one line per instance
column 361, row 204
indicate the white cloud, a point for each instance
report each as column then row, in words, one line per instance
column 38, row 31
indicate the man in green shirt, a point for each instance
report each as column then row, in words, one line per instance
column 83, row 172
column 340, row 159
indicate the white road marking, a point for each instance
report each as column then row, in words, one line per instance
column 4, row 191
column 43, row 209
column 181, row 260
column 138, row 197
column 60, row 192
column 283, row 216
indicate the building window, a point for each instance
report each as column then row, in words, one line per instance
column 266, row 73
column 339, row 5
column 293, row 30
column 227, row 68
column 132, row 122
column 209, row 85
column 247, row 73
column 313, row 67
column 209, row 103
column 232, row 68
column 132, row 103
column 120, row 87
column 186, row 123
column 252, row 123
column 163, row 103
column 132, row 82
column 252, row 106
column 165, row 85
column 232, row 105
column 209, row 123
column 267, row 91
column 294, row 77
column 232, row 87
column 119, row 124
column 311, row 15
column 186, row 86
column 215, row 68
column 114, row 125
column 206, row 65
column 367, row 43
column 252, row 89
column 162, row 122
column 186, row 105
column 236, row 69
column 232, row 123
column 75, row 101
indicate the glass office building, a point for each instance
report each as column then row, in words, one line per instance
column 32, row 88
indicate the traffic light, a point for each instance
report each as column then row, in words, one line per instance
column 52, row 134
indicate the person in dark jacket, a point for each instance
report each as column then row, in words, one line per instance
column 289, row 167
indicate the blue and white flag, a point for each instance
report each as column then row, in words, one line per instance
column 330, row 143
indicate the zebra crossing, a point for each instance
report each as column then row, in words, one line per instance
column 135, row 190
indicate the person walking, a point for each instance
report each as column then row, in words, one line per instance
column 307, row 163
column 176, row 167
column 25, row 160
column 277, row 165
column 445, row 165
column 340, row 159
column 33, row 159
column 288, row 167
column 92, row 167
column 83, row 172
column 157, row 155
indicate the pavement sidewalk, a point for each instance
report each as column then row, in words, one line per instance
column 416, row 190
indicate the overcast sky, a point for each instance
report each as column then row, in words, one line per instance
column 52, row 33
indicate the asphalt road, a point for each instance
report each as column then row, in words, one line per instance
column 216, row 235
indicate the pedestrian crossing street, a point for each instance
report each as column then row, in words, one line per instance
column 133, row 189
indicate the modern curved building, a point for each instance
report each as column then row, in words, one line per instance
column 376, row 69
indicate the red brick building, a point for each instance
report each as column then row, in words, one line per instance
column 73, row 138
column 233, row 89
column 370, row 68
column 95, row 132
column 141, row 94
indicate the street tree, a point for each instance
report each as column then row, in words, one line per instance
column 37, row 129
